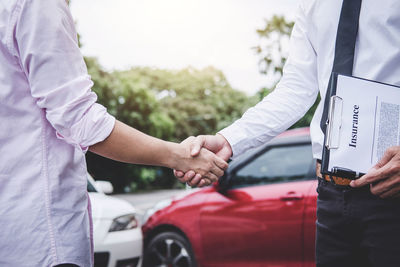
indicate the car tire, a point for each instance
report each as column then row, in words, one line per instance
column 169, row 249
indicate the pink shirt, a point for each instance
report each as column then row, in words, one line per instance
column 48, row 119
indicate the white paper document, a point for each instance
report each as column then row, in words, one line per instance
column 364, row 122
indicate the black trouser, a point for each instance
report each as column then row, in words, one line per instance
column 356, row 228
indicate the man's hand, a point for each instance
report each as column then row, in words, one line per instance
column 384, row 177
column 216, row 144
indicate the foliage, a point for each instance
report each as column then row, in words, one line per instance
column 197, row 101
column 273, row 52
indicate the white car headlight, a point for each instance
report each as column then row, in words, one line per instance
column 125, row 222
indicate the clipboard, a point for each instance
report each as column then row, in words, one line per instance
column 349, row 157
column 333, row 131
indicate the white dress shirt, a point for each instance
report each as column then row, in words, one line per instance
column 309, row 65
column 48, row 119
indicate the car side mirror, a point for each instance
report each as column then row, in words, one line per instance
column 105, row 187
column 224, row 183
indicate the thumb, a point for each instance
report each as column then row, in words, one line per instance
column 197, row 144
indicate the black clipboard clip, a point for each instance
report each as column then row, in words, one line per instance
column 343, row 172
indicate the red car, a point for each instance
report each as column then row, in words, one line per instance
column 261, row 213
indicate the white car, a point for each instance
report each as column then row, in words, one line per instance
column 117, row 234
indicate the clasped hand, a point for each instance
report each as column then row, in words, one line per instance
column 384, row 177
column 205, row 144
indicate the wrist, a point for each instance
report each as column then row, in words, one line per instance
column 174, row 155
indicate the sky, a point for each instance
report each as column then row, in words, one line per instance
column 175, row 34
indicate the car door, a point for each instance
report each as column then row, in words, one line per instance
column 310, row 217
column 259, row 220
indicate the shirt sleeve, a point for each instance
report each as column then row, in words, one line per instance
column 47, row 46
column 291, row 99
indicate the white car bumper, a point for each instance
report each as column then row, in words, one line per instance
column 120, row 248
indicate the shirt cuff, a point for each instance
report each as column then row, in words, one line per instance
column 236, row 137
column 95, row 126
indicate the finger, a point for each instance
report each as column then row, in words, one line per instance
column 387, row 156
column 373, row 175
column 178, row 174
column 383, row 169
column 391, row 193
column 204, row 182
column 217, row 171
column 382, row 186
column 364, row 180
column 195, row 181
column 197, row 144
column 211, row 176
column 188, row 176
column 222, row 164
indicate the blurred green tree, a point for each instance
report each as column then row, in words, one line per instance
column 197, row 101
column 273, row 52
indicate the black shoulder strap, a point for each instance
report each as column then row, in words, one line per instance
column 345, row 46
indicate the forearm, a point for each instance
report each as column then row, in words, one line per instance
column 129, row 145
column 273, row 115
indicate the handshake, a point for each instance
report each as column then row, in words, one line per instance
column 198, row 161
column 206, row 160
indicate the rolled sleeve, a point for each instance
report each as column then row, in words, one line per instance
column 94, row 127
column 47, row 46
column 293, row 96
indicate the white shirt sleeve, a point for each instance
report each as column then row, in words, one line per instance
column 291, row 99
column 46, row 44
